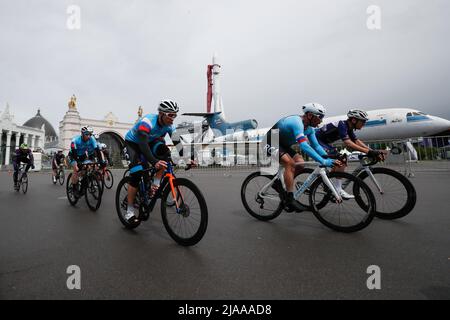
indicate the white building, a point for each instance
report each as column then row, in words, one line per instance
column 12, row 135
column 111, row 131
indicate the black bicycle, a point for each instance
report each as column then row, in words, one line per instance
column 60, row 175
column 22, row 181
column 183, row 208
column 89, row 185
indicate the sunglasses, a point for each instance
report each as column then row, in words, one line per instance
column 171, row 115
column 87, row 134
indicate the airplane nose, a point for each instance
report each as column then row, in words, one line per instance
column 441, row 124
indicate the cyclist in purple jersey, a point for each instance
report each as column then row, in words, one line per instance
column 345, row 130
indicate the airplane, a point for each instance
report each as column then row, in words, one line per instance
column 383, row 124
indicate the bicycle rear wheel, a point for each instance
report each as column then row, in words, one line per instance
column 108, row 179
column 24, row 183
column 122, row 203
column 263, row 208
column 349, row 215
column 93, row 192
column 187, row 221
column 398, row 197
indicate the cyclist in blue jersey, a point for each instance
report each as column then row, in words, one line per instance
column 83, row 147
column 295, row 131
column 146, row 140
column 345, row 130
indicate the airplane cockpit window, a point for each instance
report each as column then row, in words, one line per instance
column 409, row 114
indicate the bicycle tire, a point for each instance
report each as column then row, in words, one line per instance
column 203, row 224
column 93, row 183
column 105, row 179
column 61, row 177
column 409, row 188
column 69, row 191
column 122, row 202
column 247, row 206
column 359, row 187
column 24, row 183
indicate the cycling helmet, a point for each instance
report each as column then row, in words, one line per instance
column 96, row 136
column 87, row 129
column 23, row 146
column 102, row 146
column 315, row 108
column 358, row 114
column 168, row 106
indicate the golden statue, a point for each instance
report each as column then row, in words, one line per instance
column 140, row 111
column 73, row 103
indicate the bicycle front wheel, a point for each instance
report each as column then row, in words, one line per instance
column 186, row 222
column 108, row 179
column 61, row 177
column 24, row 183
column 348, row 215
column 73, row 199
column 397, row 196
column 93, row 192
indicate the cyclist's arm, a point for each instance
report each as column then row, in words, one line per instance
column 315, row 144
column 145, row 148
column 73, row 151
column 311, row 152
column 30, row 154
column 354, row 145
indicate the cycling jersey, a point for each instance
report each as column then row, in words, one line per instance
column 334, row 131
column 149, row 125
column 58, row 157
column 291, row 131
column 25, row 156
column 80, row 147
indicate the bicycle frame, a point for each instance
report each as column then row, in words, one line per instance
column 368, row 169
column 167, row 180
column 318, row 171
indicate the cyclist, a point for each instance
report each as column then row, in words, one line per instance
column 83, row 147
column 57, row 161
column 345, row 130
column 22, row 155
column 106, row 155
column 294, row 131
column 146, row 139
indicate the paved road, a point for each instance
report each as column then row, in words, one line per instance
column 292, row 257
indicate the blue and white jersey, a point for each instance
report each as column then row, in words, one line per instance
column 292, row 131
column 335, row 131
column 80, row 147
column 149, row 125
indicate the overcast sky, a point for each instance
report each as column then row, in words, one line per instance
column 275, row 56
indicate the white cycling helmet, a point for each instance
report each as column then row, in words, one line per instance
column 87, row 129
column 358, row 114
column 315, row 108
column 102, row 146
column 168, row 106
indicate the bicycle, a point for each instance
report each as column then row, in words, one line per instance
column 324, row 201
column 183, row 208
column 89, row 185
column 60, row 175
column 106, row 177
column 22, row 182
column 395, row 195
